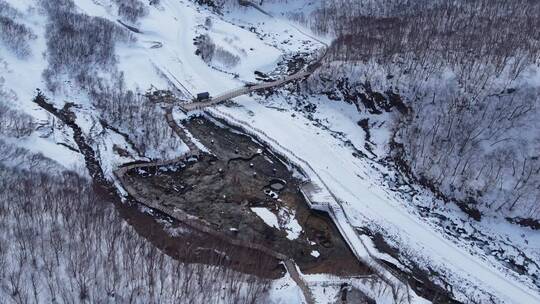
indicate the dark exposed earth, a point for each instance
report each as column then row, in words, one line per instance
column 235, row 178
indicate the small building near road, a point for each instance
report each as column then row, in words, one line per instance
column 203, row 96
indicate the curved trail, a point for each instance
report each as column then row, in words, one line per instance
column 330, row 204
column 193, row 149
column 344, row 191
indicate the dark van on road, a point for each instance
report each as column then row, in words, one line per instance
column 203, row 96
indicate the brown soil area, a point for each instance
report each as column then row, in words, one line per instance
column 190, row 246
column 224, row 185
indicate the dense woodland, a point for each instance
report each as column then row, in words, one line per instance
column 212, row 54
column 469, row 73
column 13, row 34
column 13, row 123
column 132, row 10
column 59, row 243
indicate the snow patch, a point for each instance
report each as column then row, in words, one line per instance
column 267, row 216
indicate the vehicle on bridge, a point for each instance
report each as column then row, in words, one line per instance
column 203, row 96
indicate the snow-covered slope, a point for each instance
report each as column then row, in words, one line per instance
column 163, row 55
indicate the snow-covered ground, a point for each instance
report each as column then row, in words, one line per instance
column 369, row 203
column 267, row 216
column 164, row 56
column 284, row 220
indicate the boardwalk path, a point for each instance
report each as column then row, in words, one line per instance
column 297, row 278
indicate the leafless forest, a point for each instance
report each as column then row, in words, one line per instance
column 60, row 243
column 469, row 73
column 14, row 35
column 209, row 52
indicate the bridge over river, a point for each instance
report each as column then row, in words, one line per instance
column 195, row 105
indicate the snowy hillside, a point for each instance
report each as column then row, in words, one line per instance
column 96, row 65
